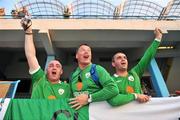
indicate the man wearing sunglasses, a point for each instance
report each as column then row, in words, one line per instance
column 129, row 81
column 85, row 90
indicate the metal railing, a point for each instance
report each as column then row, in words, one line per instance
column 111, row 17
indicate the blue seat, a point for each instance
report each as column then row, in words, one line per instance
column 11, row 87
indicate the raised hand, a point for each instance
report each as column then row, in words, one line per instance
column 26, row 23
column 158, row 33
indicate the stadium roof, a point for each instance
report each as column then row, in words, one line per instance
column 101, row 9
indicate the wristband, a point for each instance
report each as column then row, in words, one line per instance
column 159, row 40
column 135, row 95
column 28, row 33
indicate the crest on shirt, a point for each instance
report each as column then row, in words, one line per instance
column 88, row 75
column 129, row 89
column 61, row 91
column 131, row 78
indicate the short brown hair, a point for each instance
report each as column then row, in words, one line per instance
column 117, row 53
column 82, row 45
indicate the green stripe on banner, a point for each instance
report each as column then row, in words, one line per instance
column 41, row 109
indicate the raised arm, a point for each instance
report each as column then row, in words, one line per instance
column 30, row 51
column 149, row 54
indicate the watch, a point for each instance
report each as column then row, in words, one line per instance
column 89, row 98
column 135, row 95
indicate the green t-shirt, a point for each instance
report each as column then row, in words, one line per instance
column 43, row 89
column 88, row 86
column 131, row 83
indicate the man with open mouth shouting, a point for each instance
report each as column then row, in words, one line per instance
column 45, row 86
column 83, row 84
column 129, row 81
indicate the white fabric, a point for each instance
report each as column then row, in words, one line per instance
column 4, row 107
column 115, row 75
column 34, row 71
column 156, row 109
column 158, row 40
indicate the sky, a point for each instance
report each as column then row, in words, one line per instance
column 9, row 4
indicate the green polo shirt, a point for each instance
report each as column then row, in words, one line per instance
column 108, row 89
column 43, row 89
column 131, row 83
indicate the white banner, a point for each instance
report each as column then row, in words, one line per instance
column 3, row 106
column 166, row 108
column 156, row 109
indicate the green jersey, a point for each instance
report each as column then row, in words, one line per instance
column 82, row 82
column 131, row 83
column 43, row 89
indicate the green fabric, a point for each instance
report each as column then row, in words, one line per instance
column 41, row 109
column 89, row 87
column 133, row 78
column 42, row 88
column 146, row 59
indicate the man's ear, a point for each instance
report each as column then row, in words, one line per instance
column 61, row 71
column 76, row 56
column 113, row 64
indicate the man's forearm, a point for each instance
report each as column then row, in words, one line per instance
column 106, row 93
column 29, row 45
column 30, row 51
column 121, row 99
